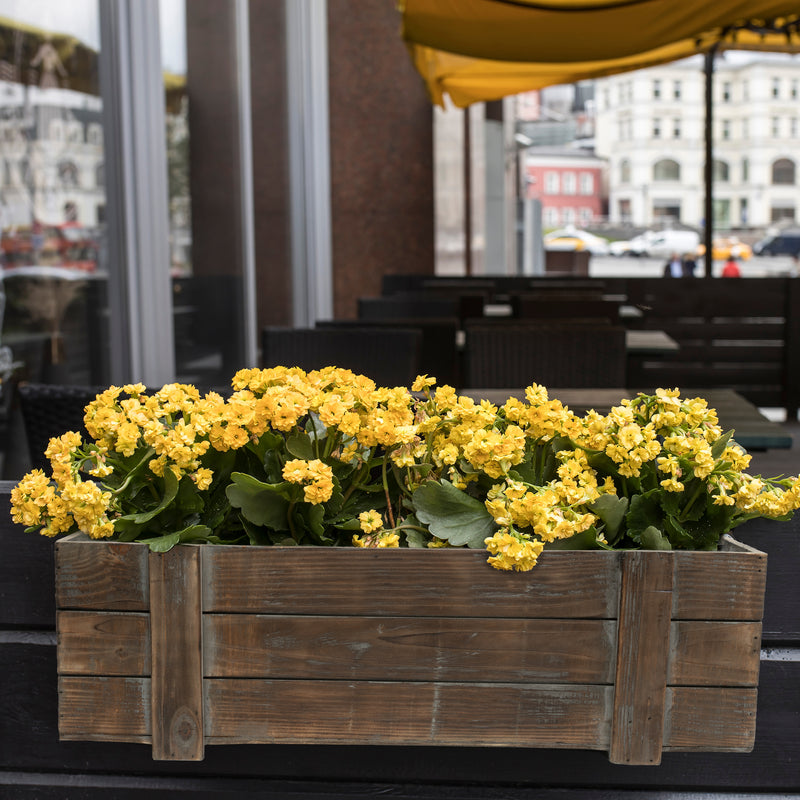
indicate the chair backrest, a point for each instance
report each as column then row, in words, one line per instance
column 562, row 306
column 515, row 354
column 50, row 410
column 390, row 356
column 439, row 356
column 434, row 303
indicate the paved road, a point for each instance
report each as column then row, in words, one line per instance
column 756, row 267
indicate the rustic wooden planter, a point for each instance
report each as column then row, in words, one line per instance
column 629, row 652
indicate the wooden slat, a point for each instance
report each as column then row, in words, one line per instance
column 104, row 709
column 309, row 580
column 644, row 623
column 362, row 712
column 177, row 658
column 714, row 653
column 711, row 719
column 409, row 648
column 101, row 575
column 719, row 586
column 98, row 643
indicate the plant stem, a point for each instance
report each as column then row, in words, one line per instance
column 289, row 513
column 385, row 482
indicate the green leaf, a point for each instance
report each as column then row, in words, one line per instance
column 718, row 448
column 170, row 491
column 645, row 511
column 611, row 510
column 453, row 515
column 260, row 503
column 163, row 543
column 653, row 539
column 415, row 538
column 299, row 444
column 585, row 540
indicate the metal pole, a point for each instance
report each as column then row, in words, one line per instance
column 708, row 232
column 467, row 191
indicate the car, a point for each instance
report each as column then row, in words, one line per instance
column 724, row 249
column 570, row 238
column 785, row 243
column 636, row 246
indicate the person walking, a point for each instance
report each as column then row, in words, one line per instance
column 731, row 269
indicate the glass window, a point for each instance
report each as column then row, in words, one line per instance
column 721, row 171
column 676, row 128
column 745, row 169
column 625, row 171
column 551, row 183
column 569, row 183
column 776, row 87
column 745, row 128
column 666, row 170
column 726, row 129
column 776, row 127
column 551, row 217
column 727, row 92
column 783, row 172
column 676, row 90
column 793, row 91
column 656, row 128
column 656, row 90
column 587, row 183
column 568, row 215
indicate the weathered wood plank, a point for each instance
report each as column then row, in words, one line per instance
column 101, row 575
column 104, row 709
column 710, row 719
column 365, row 712
column 714, row 653
column 644, row 624
column 176, row 654
column 98, row 643
column 731, row 589
column 409, row 648
column 407, row 582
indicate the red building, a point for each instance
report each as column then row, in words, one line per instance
column 569, row 182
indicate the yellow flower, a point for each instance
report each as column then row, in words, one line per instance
column 513, row 551
column 371, row 521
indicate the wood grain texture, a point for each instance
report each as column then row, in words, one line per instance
column 409, row 648
column 176, row 654
column 104, row 709
column 711, row 719
column 407, row 582
column 643, row 650
column 105, row 576
column 366, row 712
column 714, row 653
column 98, row 643
column 719, row 585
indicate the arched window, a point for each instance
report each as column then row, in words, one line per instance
column 783, row 171
column 624, row 171
column 666, row 170
column 721, row 171
column 68, row 173
column 745, row 169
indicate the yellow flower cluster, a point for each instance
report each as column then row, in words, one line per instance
column 513, row 551
column 315, row 476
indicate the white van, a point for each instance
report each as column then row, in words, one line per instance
column 664, row 243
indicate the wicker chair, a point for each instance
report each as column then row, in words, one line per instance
column 49, row 410
column 390, row 356
column 515, row 354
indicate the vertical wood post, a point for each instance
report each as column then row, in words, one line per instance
column 637, row 727
column 177, row 660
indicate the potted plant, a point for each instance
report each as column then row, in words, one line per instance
column 636, row 632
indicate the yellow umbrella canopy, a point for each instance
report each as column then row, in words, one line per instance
column 476, row 50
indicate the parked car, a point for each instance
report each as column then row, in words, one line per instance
column 657, row 244
column 573, row 239
column 784, row 243
column 723, row 249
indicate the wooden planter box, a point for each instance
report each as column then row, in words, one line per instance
column 629, row 652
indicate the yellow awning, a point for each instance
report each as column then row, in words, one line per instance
column 475, row 50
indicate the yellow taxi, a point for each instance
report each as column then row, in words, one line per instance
column 723, row 249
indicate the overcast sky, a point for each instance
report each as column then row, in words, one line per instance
column 80, row 18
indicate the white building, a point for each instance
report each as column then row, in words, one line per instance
column 650, row 126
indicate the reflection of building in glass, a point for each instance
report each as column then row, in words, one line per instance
column 650, row 125
column 52, row 156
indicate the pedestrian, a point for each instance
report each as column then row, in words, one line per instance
column 689, row 265
column 731, row 268
column 674, row 267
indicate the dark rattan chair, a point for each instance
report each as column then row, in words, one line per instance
column 516, row 354
column 390, row 356
column 49, row 410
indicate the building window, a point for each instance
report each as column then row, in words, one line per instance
column 793, row 127
column 743, row 212
column 666, row 170
column 551, row 183
column 56, row 130
column 568, row 215
column 726, row 92
column 794, row 87
column 551, row 219
column 722, row 213
column 782, row 213
column 585, row 215
column 625, row 171
column 776, row 87
column 100, row 175
column 745, row 129
column 745, row 169
column 568, row 182
column 74, row 132
column 776, row 127
column 676, row 90
column 624, row 210
column 656, row 128
column 94, row 134
column 587, row 183
column 726, row 129
column 783, row 172
column 745, row 91
column 721, row 171
column 656, row 90
column 68, row 173
column 676, row 128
